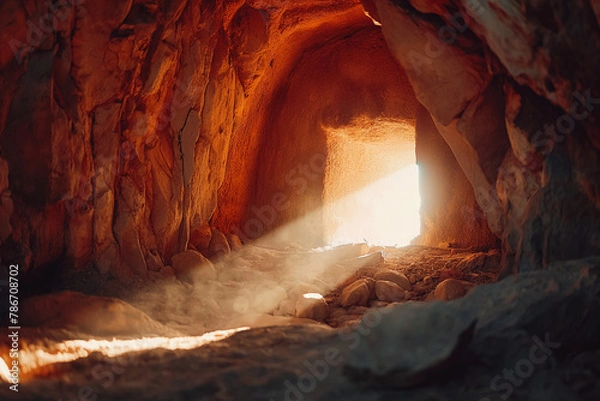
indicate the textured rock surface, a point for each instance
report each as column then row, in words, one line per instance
column 312, row 308
column 132, row 115
column 492, row 314
column 192, row 266
column 402, row 354
column 558, row 307
column 522, row 122
column 235, row 243
column 218, row 245
column 388, row 291
column 357, row 293
column 449, row 289
column 395, row 277
column 89, row 315
column 449, row 213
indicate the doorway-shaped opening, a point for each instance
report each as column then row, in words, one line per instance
column 371, row 184
column 337, row 123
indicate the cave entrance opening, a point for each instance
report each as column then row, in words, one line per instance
column 371, row 184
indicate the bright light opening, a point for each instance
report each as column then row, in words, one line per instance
column 371, row 191
column 386, row 212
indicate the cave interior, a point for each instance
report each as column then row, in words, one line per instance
column 300, row 200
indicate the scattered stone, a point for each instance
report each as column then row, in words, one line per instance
column 235, row 243
column 428, row 280
column 394, row 277
column 408, row 295
column 413, row 278
column 430, row 297
column 200, row 237
column 472, row 262
column 218, row 246
column 492, row 261
column 167, row 271
column 313, row 307
column 449, row 289
column 388, row 291
column 192, row 266
column 357, row 293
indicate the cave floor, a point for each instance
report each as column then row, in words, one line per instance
column 160, row 343
column 257, row 284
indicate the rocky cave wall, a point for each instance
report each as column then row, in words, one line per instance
column 119, row 122
column 450, row 216
column 109, row 119
column 336, row 81
column 129, row 128
column 533, row 163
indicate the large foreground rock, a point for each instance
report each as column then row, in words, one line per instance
column 412, row 343
column 89, row 315
column 368, row 362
